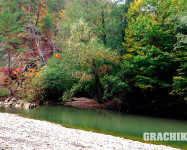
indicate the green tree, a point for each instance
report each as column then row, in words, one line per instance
column 83, row 59
column 11, row 26
column 154, row 33
column 107, row 19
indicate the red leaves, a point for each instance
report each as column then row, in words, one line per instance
column 5, row 70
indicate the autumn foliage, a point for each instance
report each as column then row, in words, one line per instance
column 132, row 53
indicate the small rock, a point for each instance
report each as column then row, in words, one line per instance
column 32, row 105
column 13, row 105
column 19, row 104
column 19, row 101
column 27, row 105
column 13, row 99
column 1, row 103
column 9, row 104
column 7, row 100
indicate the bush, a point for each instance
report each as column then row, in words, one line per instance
column 113, row 86
column 56, row 78
column 4, row 92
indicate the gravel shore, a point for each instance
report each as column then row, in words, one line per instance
column 18, row 133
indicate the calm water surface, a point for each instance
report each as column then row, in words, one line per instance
column 110, row 122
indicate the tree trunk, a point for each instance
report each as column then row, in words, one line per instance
column 123, row 29
column 103, row 25
column 99, row 94
column 11, row 91
column 38, row 15
column 37, row 41
column 9, row 71
column 98, row 87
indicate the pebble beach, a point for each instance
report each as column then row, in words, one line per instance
column 18, row 133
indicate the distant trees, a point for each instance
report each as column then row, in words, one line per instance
column 103, row 49
column 106, row 18
column 154, row 30
column 144, row 35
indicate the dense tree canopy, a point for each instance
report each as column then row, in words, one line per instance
column 131, row 52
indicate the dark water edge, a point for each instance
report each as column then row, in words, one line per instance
column 107, row 122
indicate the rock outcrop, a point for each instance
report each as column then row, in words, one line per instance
column 16, row 103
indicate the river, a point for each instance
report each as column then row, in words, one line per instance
column 108, row 122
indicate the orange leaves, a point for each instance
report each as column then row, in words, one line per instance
column 58, row 56
column 4, row 80
column 24, row 8
column 61, row 12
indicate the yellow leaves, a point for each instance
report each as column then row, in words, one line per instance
column 22, row 35
column 62, row 13
column 43, row 11
column 145, row 86
column 38, row 74
column 82, row 76
column 29, row 89
column 4, row 80
column 19, row 88
column 127, row 56
column 32, row 70
column 177, row 92
column 138, row 2
column 178, row 78
column 135, row 7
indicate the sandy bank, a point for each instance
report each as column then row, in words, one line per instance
column 18, row 133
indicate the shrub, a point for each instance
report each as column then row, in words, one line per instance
column 4, row 92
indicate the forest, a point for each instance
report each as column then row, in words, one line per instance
column 130, row 53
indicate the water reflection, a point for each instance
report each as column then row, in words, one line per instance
column 109, row 121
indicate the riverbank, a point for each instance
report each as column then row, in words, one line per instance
column 23, row 133
column 16, row 103
column 84, row 102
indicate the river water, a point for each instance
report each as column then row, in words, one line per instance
column 108, row 122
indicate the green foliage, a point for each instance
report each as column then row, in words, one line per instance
column 47, row 22
column 113, row 86
column 83, row 60
column 179, row 85
column 153, row 23
column 84, row 88
column 103, row 49
column 4, row 92
column 56, row 76
column 10, row 27
column 106, row 18
column 155, row 40
column 151, row 67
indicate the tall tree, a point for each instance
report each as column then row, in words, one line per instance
column 151, row 40
column 10, row 26
column 107, row 18
column 92, row 11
